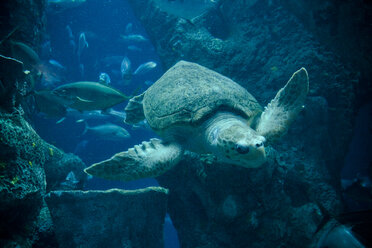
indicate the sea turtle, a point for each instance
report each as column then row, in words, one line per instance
column 194, row 108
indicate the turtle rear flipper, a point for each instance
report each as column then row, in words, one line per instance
column 134, row 110
column 283, row 109
column 149, row 159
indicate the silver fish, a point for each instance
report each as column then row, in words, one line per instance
column 72, row 44
column 83, row 44
column 57, row 6
column 134, row 48
column 126, row 70
column 145, row 67
column 134, row 38
column 128, row 28
column 80, row 147
column 149, row 82
column 56, row 64
column 186, row 9
column 104, row 78
column 116, row 114
column 82, row 71
column 70, row 181
column 111, row 61
column 69, row 32
column 86, row 115
column 107, row 131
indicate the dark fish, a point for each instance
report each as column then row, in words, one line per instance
column 47, row 103
column 26, row 54
column 187, row 9
column 359, row 189
column 57, row 6
column 86, row 96
column 46, row 50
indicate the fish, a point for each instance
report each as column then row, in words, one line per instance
column 26, row 54
column 104, row 78
column 87, row 115
column 107, row 131
column 86, row 96
column 46, row 103
column 94, row 115
column 149, row 82
column 116, row 114
column 358, row 189
column 142, row 125
column 83, row 44
column 81, row 71
column 134, row 48
column 69, row 32
column 56, row 64
column 70, row 181
column 46, row 49
column 50, row 75
column 145, row 67
column 57, row 6
column 126, row 70
column 72, row 44
column 188, row 9
column 133, row 38
column 340, row 236
column 111, row 61
column 128, row 28
column 80, row 147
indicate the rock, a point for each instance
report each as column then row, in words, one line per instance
column 113, row 218
column 22, row 186
column 11, row 71
column 344, row 28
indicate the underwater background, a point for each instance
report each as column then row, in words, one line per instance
column 314, row 190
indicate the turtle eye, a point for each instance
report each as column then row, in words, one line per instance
column 242, row 149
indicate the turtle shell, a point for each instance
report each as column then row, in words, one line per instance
column 188, row 94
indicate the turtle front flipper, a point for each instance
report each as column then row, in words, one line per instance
column 149, row 159
column 283, row 109
column 134, row 110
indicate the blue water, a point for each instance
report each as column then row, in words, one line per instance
column 102, row 23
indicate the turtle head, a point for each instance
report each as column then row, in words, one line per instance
column 237, row 143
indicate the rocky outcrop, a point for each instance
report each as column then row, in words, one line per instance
column 22, row 183
column 113, row 218
column 24, row 156
column 27, row 166
column 344, row 27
